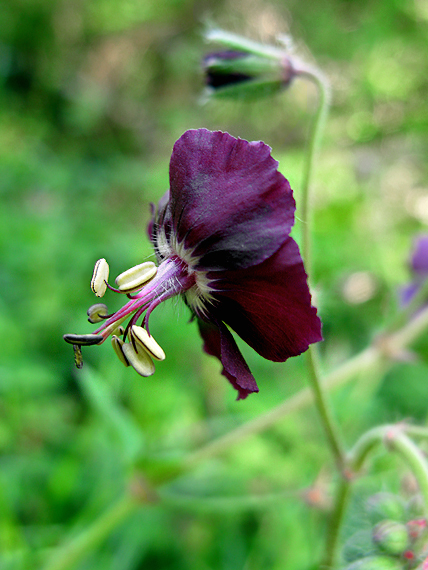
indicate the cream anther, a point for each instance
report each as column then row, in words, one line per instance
column 140, row 361
column 134, row 278
column 97, row 312
column 117, row 344
column 100, row 277
column 147, row 342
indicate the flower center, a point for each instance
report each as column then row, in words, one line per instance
column 200, row 293
column 171, row 278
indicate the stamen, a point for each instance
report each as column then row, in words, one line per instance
column 119, row 331
column 97, row 313
column 78, row 360
column 100, row 277
column 83, row 339
column 140, row 361
column 147, row 342
column 113, row 288
column 111, row 326
column 131, row 322
column 117, row 344
column 154, row 285
column 134, row 278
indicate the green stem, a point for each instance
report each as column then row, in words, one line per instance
column 313, row 145
column 323, row 408
column 372, row 356
column 416, row 431
column 320, row 399
column 333, row 533
column 224, row 504
column 75, row 549
column 415, row 459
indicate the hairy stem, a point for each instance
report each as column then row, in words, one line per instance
column 313, row 145
column 415, row 460
column 323, row 408
column 314, row 142
column 333, row 533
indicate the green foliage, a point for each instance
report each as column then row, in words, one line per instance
column 92, row 97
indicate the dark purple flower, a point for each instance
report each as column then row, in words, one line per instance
column 221, row 237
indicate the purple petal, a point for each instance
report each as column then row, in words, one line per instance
column 419, row 260
column 230, row 206
column 269, row 305
column 220, row 343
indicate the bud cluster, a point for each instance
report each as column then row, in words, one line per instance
column 398, row 539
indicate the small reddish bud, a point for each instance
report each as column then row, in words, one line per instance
column 416, row 528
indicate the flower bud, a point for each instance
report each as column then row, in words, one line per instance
column 242, row 74
column 375, row 563
column 385, row 506
column 391, row 537
column 245, row 68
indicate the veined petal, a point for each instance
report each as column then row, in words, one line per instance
column 269, row 305
column 230, row 206
column 220, row 343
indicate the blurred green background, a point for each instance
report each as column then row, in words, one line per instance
column 92, row 97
